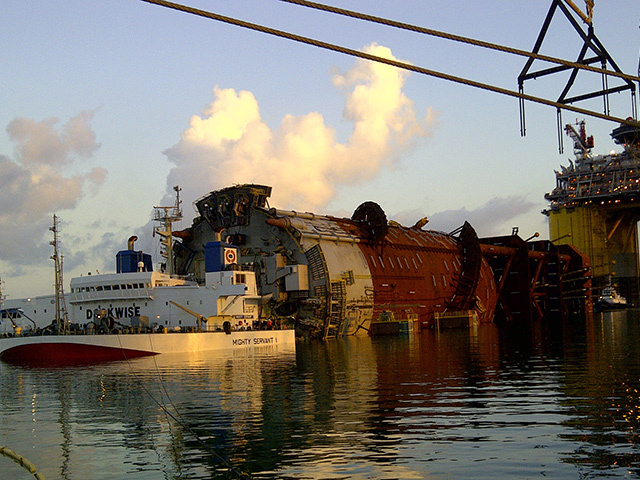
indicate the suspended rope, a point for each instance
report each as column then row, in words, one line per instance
column 387, row 61
column 458, row 38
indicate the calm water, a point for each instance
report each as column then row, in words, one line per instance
column 557, row 401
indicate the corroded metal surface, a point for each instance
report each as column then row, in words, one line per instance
column 335, row 276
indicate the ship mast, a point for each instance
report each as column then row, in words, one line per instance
column 2, row 296
column 167, row 216
column 62, row 319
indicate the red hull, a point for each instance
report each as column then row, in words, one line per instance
column 61, row 354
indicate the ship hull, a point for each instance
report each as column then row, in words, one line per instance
column 78, row 349
column 601, row 306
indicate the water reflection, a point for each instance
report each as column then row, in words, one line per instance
column 602, row 390
column 553, row 400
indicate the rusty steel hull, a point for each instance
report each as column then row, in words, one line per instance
column 416, row 272
column 335, row 276
column 330, row 274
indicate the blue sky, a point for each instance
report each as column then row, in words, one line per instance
column 106, row 105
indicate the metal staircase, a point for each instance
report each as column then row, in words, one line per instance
column 337, row 309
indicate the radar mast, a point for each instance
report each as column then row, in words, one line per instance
column 166, row 216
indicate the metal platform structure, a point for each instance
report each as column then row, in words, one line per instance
column 596, row 207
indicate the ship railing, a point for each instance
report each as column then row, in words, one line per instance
column 454, row 313
column 455, row 319
column 111, row 295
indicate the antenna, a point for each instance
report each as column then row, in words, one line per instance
column 62, row 319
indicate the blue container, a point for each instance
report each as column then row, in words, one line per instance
column 218, row 255
column 127, row 261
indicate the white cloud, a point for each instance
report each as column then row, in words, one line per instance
column 488, row 219
column 35, row 185
column 302, row 160
column 38, row 143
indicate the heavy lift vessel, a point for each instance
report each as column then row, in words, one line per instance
column 338, row 276
column 596, row 207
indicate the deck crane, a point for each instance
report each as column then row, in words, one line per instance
column 582, row 144
column 199, row 318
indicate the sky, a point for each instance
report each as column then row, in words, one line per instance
column 105, row 106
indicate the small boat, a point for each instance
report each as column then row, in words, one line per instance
column 610, row 299
column 139, row 312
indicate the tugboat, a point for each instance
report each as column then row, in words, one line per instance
column 610, row 299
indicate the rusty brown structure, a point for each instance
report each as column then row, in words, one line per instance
column 538, row 279
column 338, row 276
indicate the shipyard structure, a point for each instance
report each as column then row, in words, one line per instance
column 596, row 207
column 347, row 276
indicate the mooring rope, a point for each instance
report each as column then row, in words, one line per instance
column 178, row 418
column 23, row 462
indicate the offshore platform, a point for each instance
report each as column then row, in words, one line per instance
column 596, row 207
column 595, row 204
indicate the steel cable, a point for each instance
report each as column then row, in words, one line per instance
column 458, row 38
column 394, row 63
